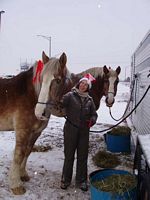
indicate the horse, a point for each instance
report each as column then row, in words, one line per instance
column 106, row 84
column 23, row 109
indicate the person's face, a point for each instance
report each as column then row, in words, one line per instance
column 83, row 86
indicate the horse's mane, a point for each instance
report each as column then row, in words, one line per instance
column 37, row 84
column 95, row 72
column 48, row 68
column 51, row 67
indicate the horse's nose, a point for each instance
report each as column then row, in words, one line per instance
column 42, row 117
column 39, row 111
column 45, row 115
column 110, row 100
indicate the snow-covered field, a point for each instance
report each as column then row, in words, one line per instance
column 45, row 168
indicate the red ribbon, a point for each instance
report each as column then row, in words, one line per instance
column 38, row 71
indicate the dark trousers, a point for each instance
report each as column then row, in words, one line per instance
column 75, row 139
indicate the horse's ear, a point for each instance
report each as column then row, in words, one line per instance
column 118, row 70
column 105, row 70
column 63, row 59
column 45, row 58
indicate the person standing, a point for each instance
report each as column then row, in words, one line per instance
column 80, row 116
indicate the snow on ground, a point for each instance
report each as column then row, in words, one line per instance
column 45, row 168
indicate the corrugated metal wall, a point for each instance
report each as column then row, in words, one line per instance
column 140, row 73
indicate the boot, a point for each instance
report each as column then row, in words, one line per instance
column 84, row 186
column 64, row 185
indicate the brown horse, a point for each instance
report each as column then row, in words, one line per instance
column 23, row 108
column 105, row 85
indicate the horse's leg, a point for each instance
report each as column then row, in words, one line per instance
column 31, row 141
column 19, row 153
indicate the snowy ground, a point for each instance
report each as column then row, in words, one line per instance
column 45, row 167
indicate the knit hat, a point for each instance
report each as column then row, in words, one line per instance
column 89, row 78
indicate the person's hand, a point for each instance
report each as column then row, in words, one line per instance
column 90, row 123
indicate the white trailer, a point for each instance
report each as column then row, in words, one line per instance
column 140, row 81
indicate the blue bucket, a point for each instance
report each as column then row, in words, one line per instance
column 118, row 143
column 97, row 194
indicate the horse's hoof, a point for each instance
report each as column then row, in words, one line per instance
column 25, row 178
column 18, row 190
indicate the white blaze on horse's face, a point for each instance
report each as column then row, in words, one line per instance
column 111, row 92
column 43, row 97
column 52, row 67
column 112, row 88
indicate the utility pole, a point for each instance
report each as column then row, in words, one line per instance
column 49, row 39
column 1, row 12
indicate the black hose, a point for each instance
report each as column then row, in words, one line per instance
column 127, row 106
column 126, row 115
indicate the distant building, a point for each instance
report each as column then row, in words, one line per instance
column 24, row 66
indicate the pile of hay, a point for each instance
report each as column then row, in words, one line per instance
column 120, row 130
column 105, row 159
column 117, row 183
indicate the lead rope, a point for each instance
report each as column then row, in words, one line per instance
column 127, row 106
column 126, row 115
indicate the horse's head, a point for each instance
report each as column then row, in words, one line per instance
column 110, row 84
column 58, row 88
column 53, row 69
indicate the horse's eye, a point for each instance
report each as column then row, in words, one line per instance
column 58, row 80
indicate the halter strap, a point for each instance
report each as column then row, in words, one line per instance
column 48, row 103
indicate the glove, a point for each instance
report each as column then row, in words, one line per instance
column 90, row 123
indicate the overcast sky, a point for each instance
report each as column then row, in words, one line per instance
column 90, row 32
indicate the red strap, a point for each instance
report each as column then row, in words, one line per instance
column 38, row 71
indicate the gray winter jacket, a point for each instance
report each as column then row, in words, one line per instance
column 79, row 112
